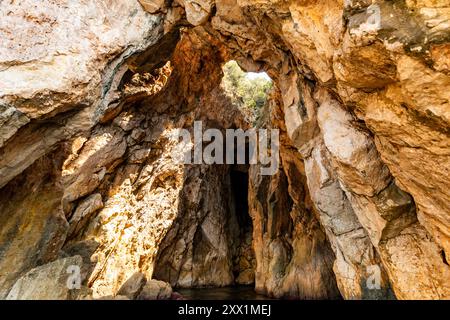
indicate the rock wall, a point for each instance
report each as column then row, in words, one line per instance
column 92, row 95
column 294, row 258
column 159, row 217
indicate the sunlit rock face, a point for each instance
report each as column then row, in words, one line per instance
column 92, row 95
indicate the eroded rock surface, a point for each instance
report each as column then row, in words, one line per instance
column 93, row 94
column 50, row 282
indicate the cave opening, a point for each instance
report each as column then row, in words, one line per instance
column 239, row 228
column 87, row 139
column 249, row 91
column 209, row 250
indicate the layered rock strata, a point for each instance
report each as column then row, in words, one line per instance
column 92, row 95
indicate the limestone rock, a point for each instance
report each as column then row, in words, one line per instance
column 355, row 254
column 411, row 278
column 38, row 77
column 55, row 55
column 198, row 11
column 49, row 282
column 152, row 6
column 198, row 245
column 133, row 286
column 10, row 121
column 128, row 120
column 84, row 212
column 155, row 290
column 98, row 155
column 33, row 224
column 288, row 264
column 92, row 98
column 354, row 153
column 246, row 277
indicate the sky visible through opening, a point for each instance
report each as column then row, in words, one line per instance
column 249, row 91
column 256, row 75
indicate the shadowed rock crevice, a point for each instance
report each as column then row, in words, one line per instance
column 244, row 262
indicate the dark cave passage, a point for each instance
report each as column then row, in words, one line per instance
column 243, row 257
column 241, row 254
column 210, row 244
column 239, row 188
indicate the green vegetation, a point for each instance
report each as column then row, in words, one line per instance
column 248, row 92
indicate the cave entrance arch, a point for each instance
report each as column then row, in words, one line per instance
column 210, row 243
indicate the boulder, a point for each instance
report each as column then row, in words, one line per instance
column 133, row 286
column 155, row 290
column 57, row 280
